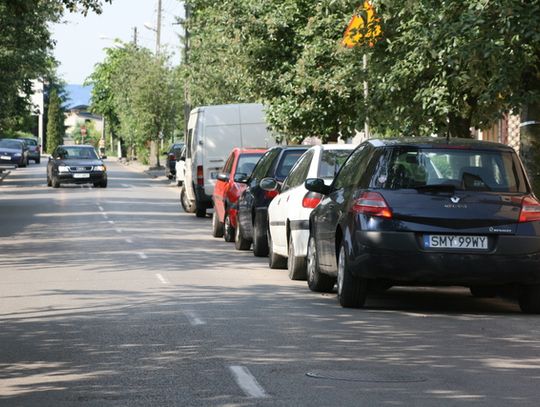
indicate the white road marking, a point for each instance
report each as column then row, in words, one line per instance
column 162, row 279
column 142, row 255
column 193, row 319
column 105, row 215
column 129, row 241
column 111, row 222
column 101, row 208
column 247, row 382
column 118, row 230
column 126, row 186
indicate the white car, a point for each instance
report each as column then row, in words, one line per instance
column 288, row 213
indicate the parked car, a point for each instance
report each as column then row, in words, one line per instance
column 13, row 151
column 227, row 190
column 180, row 166
column 426, row 212
column 78, row 164
column 34, row 148
column 252, row 224
column 288, row 213
column 173, row 154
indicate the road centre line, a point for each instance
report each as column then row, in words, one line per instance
column 193, row 319
column 162, row 279
column 247, row 382
column 142, row 255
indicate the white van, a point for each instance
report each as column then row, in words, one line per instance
column 213, row 131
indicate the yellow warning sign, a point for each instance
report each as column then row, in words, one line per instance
column 364, row 25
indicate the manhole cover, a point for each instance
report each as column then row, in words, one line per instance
column 366, row 376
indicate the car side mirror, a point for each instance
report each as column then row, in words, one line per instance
column 269, row 184
column 317, row 185
column 222, row 177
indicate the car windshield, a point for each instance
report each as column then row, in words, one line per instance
column 68, row 153
column 445, row 169
column 331, row 162
column 10, row 144
column 247, row 162
column 30, row 142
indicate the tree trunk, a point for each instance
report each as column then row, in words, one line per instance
column 154, row 154
column 530, row 143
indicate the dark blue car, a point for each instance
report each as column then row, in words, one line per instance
column 427, row 212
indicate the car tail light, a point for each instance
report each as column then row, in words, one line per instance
column 373, row 204
column 271, row 194
column 530, row 209
column 311, row 200
column 200, row 175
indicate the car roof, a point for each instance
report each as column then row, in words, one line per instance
column 439, row 142
column 334, row 147
column 240, row 150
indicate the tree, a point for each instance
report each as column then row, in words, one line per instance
column 55, row 122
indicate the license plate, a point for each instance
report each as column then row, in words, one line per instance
column 5, row 157
column 455, row 242
column 81, row 175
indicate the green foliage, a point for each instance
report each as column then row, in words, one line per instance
column 139, row 93
column 55, row 122
column 91, row 136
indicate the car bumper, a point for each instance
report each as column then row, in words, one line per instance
column 71, row 178
column 397, row 256
column 300, row 235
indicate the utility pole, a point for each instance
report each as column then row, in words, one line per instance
column 135, row 36
column 158, row 28
column 187, row 101
column 154, row 149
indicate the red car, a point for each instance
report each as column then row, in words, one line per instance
column 239, row 165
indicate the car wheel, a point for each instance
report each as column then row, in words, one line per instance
column 97, row 184
column 217, row 226
column 295, row 264
column 260, row 240
column 23, row 163
column 352, row 291
column 186, row 203
column 240, row 243
column 529, row 299
column 37, row 160
column 317, row 281
column 55, row 182
column 275, row 261
column 483, row 291
column 103, row 184
column 228, row 230
column 49, row 182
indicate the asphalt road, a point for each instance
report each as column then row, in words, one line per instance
column 115, row 297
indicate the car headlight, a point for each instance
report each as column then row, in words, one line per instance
column 63, row 168
column 100, row 168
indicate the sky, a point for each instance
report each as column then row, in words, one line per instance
column 80, row 40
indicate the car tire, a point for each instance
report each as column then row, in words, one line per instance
column 240, row 243
column 317, row 281
column 185, row 202
column 295, row 264
column 37, row 160
column 228, row 230
column 217, row 226
column 24, row 163
column 55, row 182
column 103, row 184
column 483, row 291
column 260, row 239
column 275, row 261
column 529, row 299
column 352, row 290
column 49, row 182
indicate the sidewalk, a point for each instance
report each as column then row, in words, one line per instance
column 139, row 167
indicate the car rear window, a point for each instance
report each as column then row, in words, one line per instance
column 331, row 162
column 30, row 142
column 287, row 161
column 247, row 162
column 463, row 169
